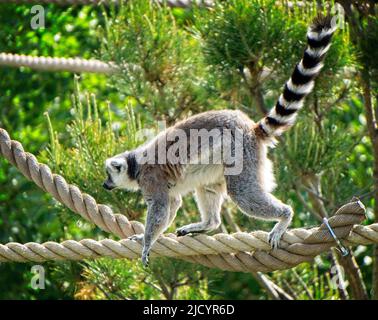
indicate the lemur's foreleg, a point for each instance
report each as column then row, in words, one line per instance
column 157, row 222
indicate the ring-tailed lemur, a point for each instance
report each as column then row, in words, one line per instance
column 163, row 183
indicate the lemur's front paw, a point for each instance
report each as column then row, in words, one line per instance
column 274, row 238
column 137, row 237
column 183, row 231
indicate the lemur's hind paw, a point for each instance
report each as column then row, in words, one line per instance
column 274, row 238
column 190, row 229
column 180, row 232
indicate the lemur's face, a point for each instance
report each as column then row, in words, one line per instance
column 116, row 169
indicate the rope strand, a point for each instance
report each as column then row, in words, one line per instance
column 76, row 65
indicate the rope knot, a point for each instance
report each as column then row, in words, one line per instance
column 341, row 222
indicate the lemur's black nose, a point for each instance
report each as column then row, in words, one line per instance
column 106, row 186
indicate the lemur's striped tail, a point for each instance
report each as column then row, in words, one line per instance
column 301, row 83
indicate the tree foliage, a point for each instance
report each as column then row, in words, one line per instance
column 172, row 63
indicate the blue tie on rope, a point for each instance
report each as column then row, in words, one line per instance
column 344, row 251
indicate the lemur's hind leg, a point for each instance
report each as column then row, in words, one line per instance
column 209, row 200
column 253, row 200
column 174, row 205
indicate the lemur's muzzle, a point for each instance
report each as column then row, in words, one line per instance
column 107, row 186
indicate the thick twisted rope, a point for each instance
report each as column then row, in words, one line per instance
column 67, row 194
column 77, row 65
column 298, row 245
column 239, row 251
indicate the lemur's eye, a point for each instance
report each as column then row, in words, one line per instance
column 117, row 166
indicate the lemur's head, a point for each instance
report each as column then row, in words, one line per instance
column 122, row 171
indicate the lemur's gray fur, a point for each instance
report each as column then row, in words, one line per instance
column 162, row 185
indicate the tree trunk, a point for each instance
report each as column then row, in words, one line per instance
column 348, row 263
column 373, row 133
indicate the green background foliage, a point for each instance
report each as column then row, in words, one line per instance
column 174, row 63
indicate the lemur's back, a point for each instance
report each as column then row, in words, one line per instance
column 217, row 119
column 194, row 151
column 199, row 136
